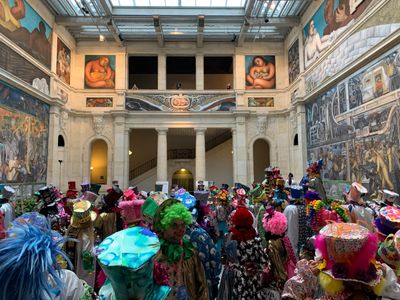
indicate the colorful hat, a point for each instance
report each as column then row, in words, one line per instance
column 296, row 192
column 389, row 251
column 131, row 210
column 202, row 196
column 113, row 196
column 188, row 200
column 127, row 258
column 388, row 221
column 7, row 192
column 90, row 196
column 257, row 194
column 355, row 193
column 311, row 195
column 149, row 209
column 242, row 225
column 159, row 197
column 143, row 194
column 72, row 186
column 224, row 186
column 129, row 195
column 274, row 222
column 95, row 188
column 85, row 186
column 242, row 186
column 390, row 195
column 279, row 198
column 82, row 213
column 348, row 251
column 48, row 196
column 115, row 182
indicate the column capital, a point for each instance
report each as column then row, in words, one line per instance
column 233, row 130
column 200, row 130
column 162, row 130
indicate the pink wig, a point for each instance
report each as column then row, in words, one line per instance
column 276, row 224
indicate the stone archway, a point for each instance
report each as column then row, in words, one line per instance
column 98, row 161
column 183, row 178
column 261, row 158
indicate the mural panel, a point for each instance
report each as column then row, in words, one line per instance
column 99, row 102
column 100, row 71
column 180, row 102
column 260, row 101
column 23, row 69
column 368, row 139
column 63, row 61
column 294, row 61
column 260, row 72
column 25, row 27
column 330, row 21
column 24, row 131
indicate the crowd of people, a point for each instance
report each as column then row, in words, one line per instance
column 273, row 240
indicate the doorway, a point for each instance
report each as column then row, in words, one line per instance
column 183, row 178
column 260, row 159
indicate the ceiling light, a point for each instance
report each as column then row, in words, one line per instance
column 101, row 38
column 183, row 170
column 176, row 32
column 130, row 152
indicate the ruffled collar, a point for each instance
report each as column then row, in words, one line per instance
column 174, row 252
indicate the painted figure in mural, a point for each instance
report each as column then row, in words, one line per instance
column 382, row 169
column 261, row 74
column 10, row 16
column 314, row 44
column 99, row 74
column 63, row 65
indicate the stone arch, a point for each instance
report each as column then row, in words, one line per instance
column 271, row 146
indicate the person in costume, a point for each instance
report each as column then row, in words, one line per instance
column 258, row 198
column 345, row 269
column 47, row 206
column 279, row 195
column 298, row 232
column 315, row 180
column 268, row 180
column 245, row 260
column 131, row 209
column 178, row 255
column 29, row 266
column 6, row 209
column 222, row 212
column 128, row 259
column 81, row 251
column 389, row 252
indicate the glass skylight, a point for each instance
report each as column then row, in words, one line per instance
column 180, row 3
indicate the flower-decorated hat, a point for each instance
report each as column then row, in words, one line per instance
column 388, row 221
column 127, row 258
column 159, row 197
column 48, row 196
column 274, row 222
column 389, row 251
column 348, row 251
column 82, row 213
column 131, row 211
column 320, row 214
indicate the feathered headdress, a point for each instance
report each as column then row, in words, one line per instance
column 28, row 258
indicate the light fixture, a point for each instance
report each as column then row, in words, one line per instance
column 176, row 32
column 101, row 38
column 183, row 170
column 130, row 152
column 91, row 168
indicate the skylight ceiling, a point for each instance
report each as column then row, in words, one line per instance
column 179, row 3
column 198, row 21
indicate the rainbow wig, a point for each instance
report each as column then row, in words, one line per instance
column 28, row 257
column 172, row 213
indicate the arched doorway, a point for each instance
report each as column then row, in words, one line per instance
column 183, row 178
column 98, row 162
column 260, row 159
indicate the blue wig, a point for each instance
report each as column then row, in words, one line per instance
column 28, row 263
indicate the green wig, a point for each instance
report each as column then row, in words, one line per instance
column 172, row 213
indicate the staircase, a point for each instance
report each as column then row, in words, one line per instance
column 179, row 154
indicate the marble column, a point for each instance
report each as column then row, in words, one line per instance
column 241, row 151
column 126, row 165
column 162, row 158
column 162, row 72
column 200, row 154
column 53, row 166
column 120, row 157
column 199, row 72
column 234, row 160
column 302, row 139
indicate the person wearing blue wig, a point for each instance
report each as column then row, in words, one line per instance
column 29, row 268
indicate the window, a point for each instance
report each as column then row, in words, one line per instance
column 143, row 72
column 218, row 73
column 296, row 140
column 181, row 73
column 61, row 142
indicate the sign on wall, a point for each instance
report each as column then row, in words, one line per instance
column 25, row 27
column 99, row 71
column 260, row 72
column 63, row 68
column 331, row 19
column 24, row 131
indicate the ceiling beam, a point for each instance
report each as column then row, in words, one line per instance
column 200, row 30
column 245, row 26
column 113, row 29
column 181, row 11
column 159, row 32
column 81, row 21
column 277, row 22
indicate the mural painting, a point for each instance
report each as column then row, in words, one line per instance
column 99, row 102
column 100, row 71
column 24, row 26
column 364, row 145
column 294, row 61
column 260, row 72
column 260, row 102
column 23, row 69
column 330, row 21
column 63, row 61
column 180, row 102
column 24, row 133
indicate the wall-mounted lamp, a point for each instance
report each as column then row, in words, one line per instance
column 91, row 168
column 130, row 152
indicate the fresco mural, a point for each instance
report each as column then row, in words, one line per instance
column 24, row 123
column 23, row 69
column 260, row 72
column 260, row 101
column 330, row 21
column 63, row 61
column 24, row 26
column 294, row 61
column 100, row 71
column 363, row 145
column 99, row 102
column 180, row 102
